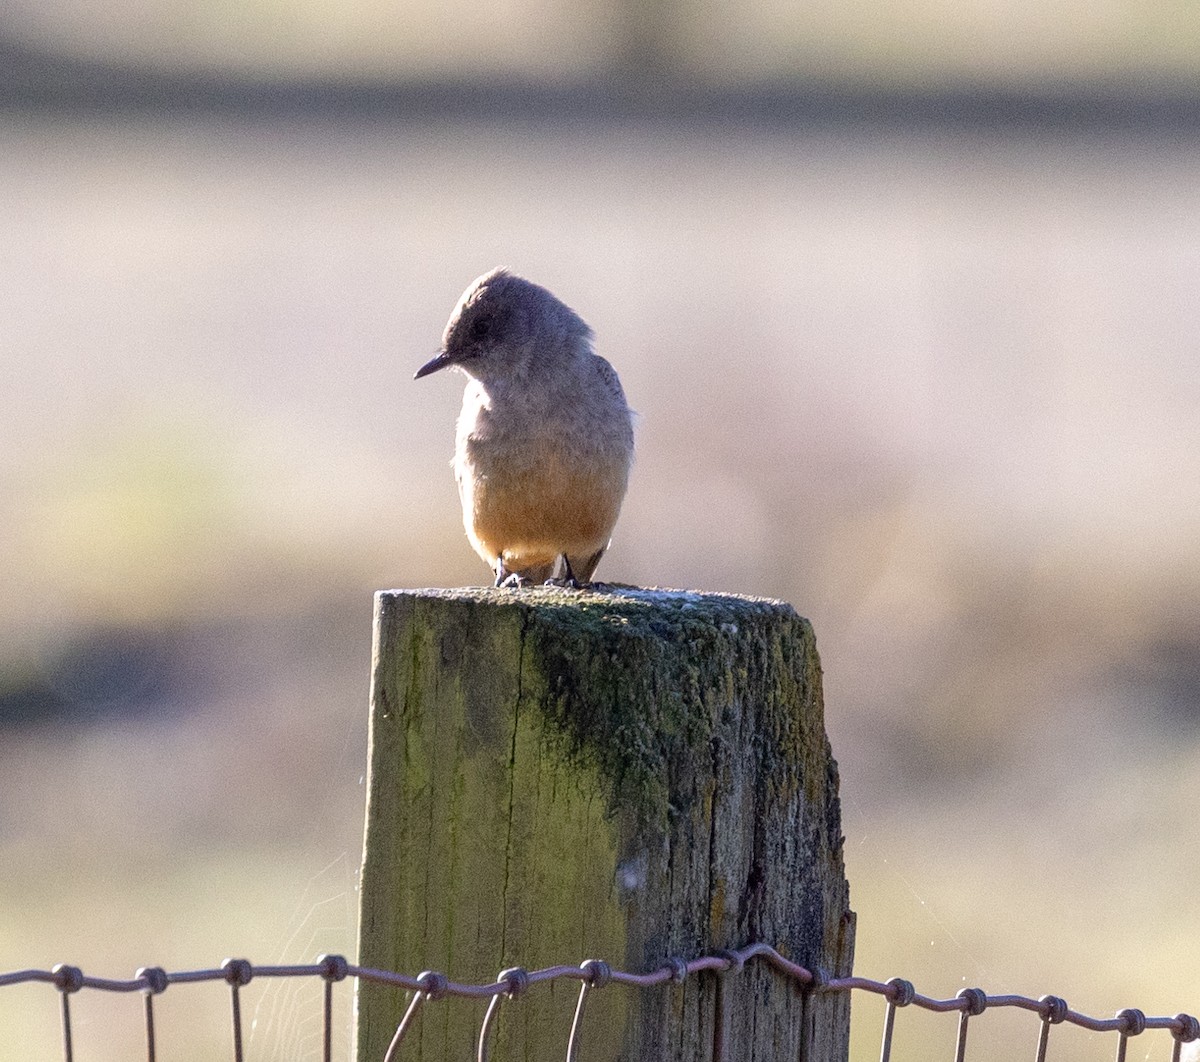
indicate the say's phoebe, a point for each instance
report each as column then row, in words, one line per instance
column 545, row 438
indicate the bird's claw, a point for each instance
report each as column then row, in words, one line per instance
column 567, row 580
column 507, row 580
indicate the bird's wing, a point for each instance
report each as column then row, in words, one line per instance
column 609, row 375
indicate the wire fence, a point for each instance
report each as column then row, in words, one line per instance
column 592, row 975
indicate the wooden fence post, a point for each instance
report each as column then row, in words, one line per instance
column 627, row 776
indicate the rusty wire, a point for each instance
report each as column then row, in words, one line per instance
column 593, row 974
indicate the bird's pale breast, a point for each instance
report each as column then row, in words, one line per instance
column 536, row 483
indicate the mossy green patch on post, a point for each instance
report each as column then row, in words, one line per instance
column 558, row 775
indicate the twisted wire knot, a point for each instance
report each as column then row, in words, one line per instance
column 517, row 979
column 679, row 969
column 67, row 978
column 155, row 978
column 1189, row 1029
column 238, row 971
column 333, row 967
column 433, row 984
column 976, row 1000
column 1134, row 1021
column 1054, row 1009
column 599, row 973
column 820, row 980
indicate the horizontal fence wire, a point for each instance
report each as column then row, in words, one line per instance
column 592, row 974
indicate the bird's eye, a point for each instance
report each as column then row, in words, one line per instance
column 480, row 328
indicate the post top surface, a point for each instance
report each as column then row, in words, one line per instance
column 613, row 596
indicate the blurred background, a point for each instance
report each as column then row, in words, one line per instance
column 905, row 297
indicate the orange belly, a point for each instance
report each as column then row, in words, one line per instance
column 532, row 516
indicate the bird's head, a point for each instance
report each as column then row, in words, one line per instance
column 504, row 327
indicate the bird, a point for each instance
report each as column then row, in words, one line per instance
column 544, row 443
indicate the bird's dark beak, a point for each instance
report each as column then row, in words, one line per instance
column 438, row 361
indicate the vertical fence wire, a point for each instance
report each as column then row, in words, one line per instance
column 327, row 1023
column 148, row 1009
column 333, row 968
column 975, row 1002
column 597, row 973
column 429, row 985
column 67, row 979
column 577, row 1023
column 402, row 1029
column 155, row 982
column 899, row 994
column 516, row 982
column 68, row 1051
column 1043, row 1041
column 1054, row 1011
column 238, row 972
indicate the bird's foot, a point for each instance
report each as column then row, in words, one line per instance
column 567, row 580
column 509, row 580
column 513, row 581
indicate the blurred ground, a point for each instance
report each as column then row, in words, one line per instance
column 936, row 389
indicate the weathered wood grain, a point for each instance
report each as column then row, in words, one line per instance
column 631, row 775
